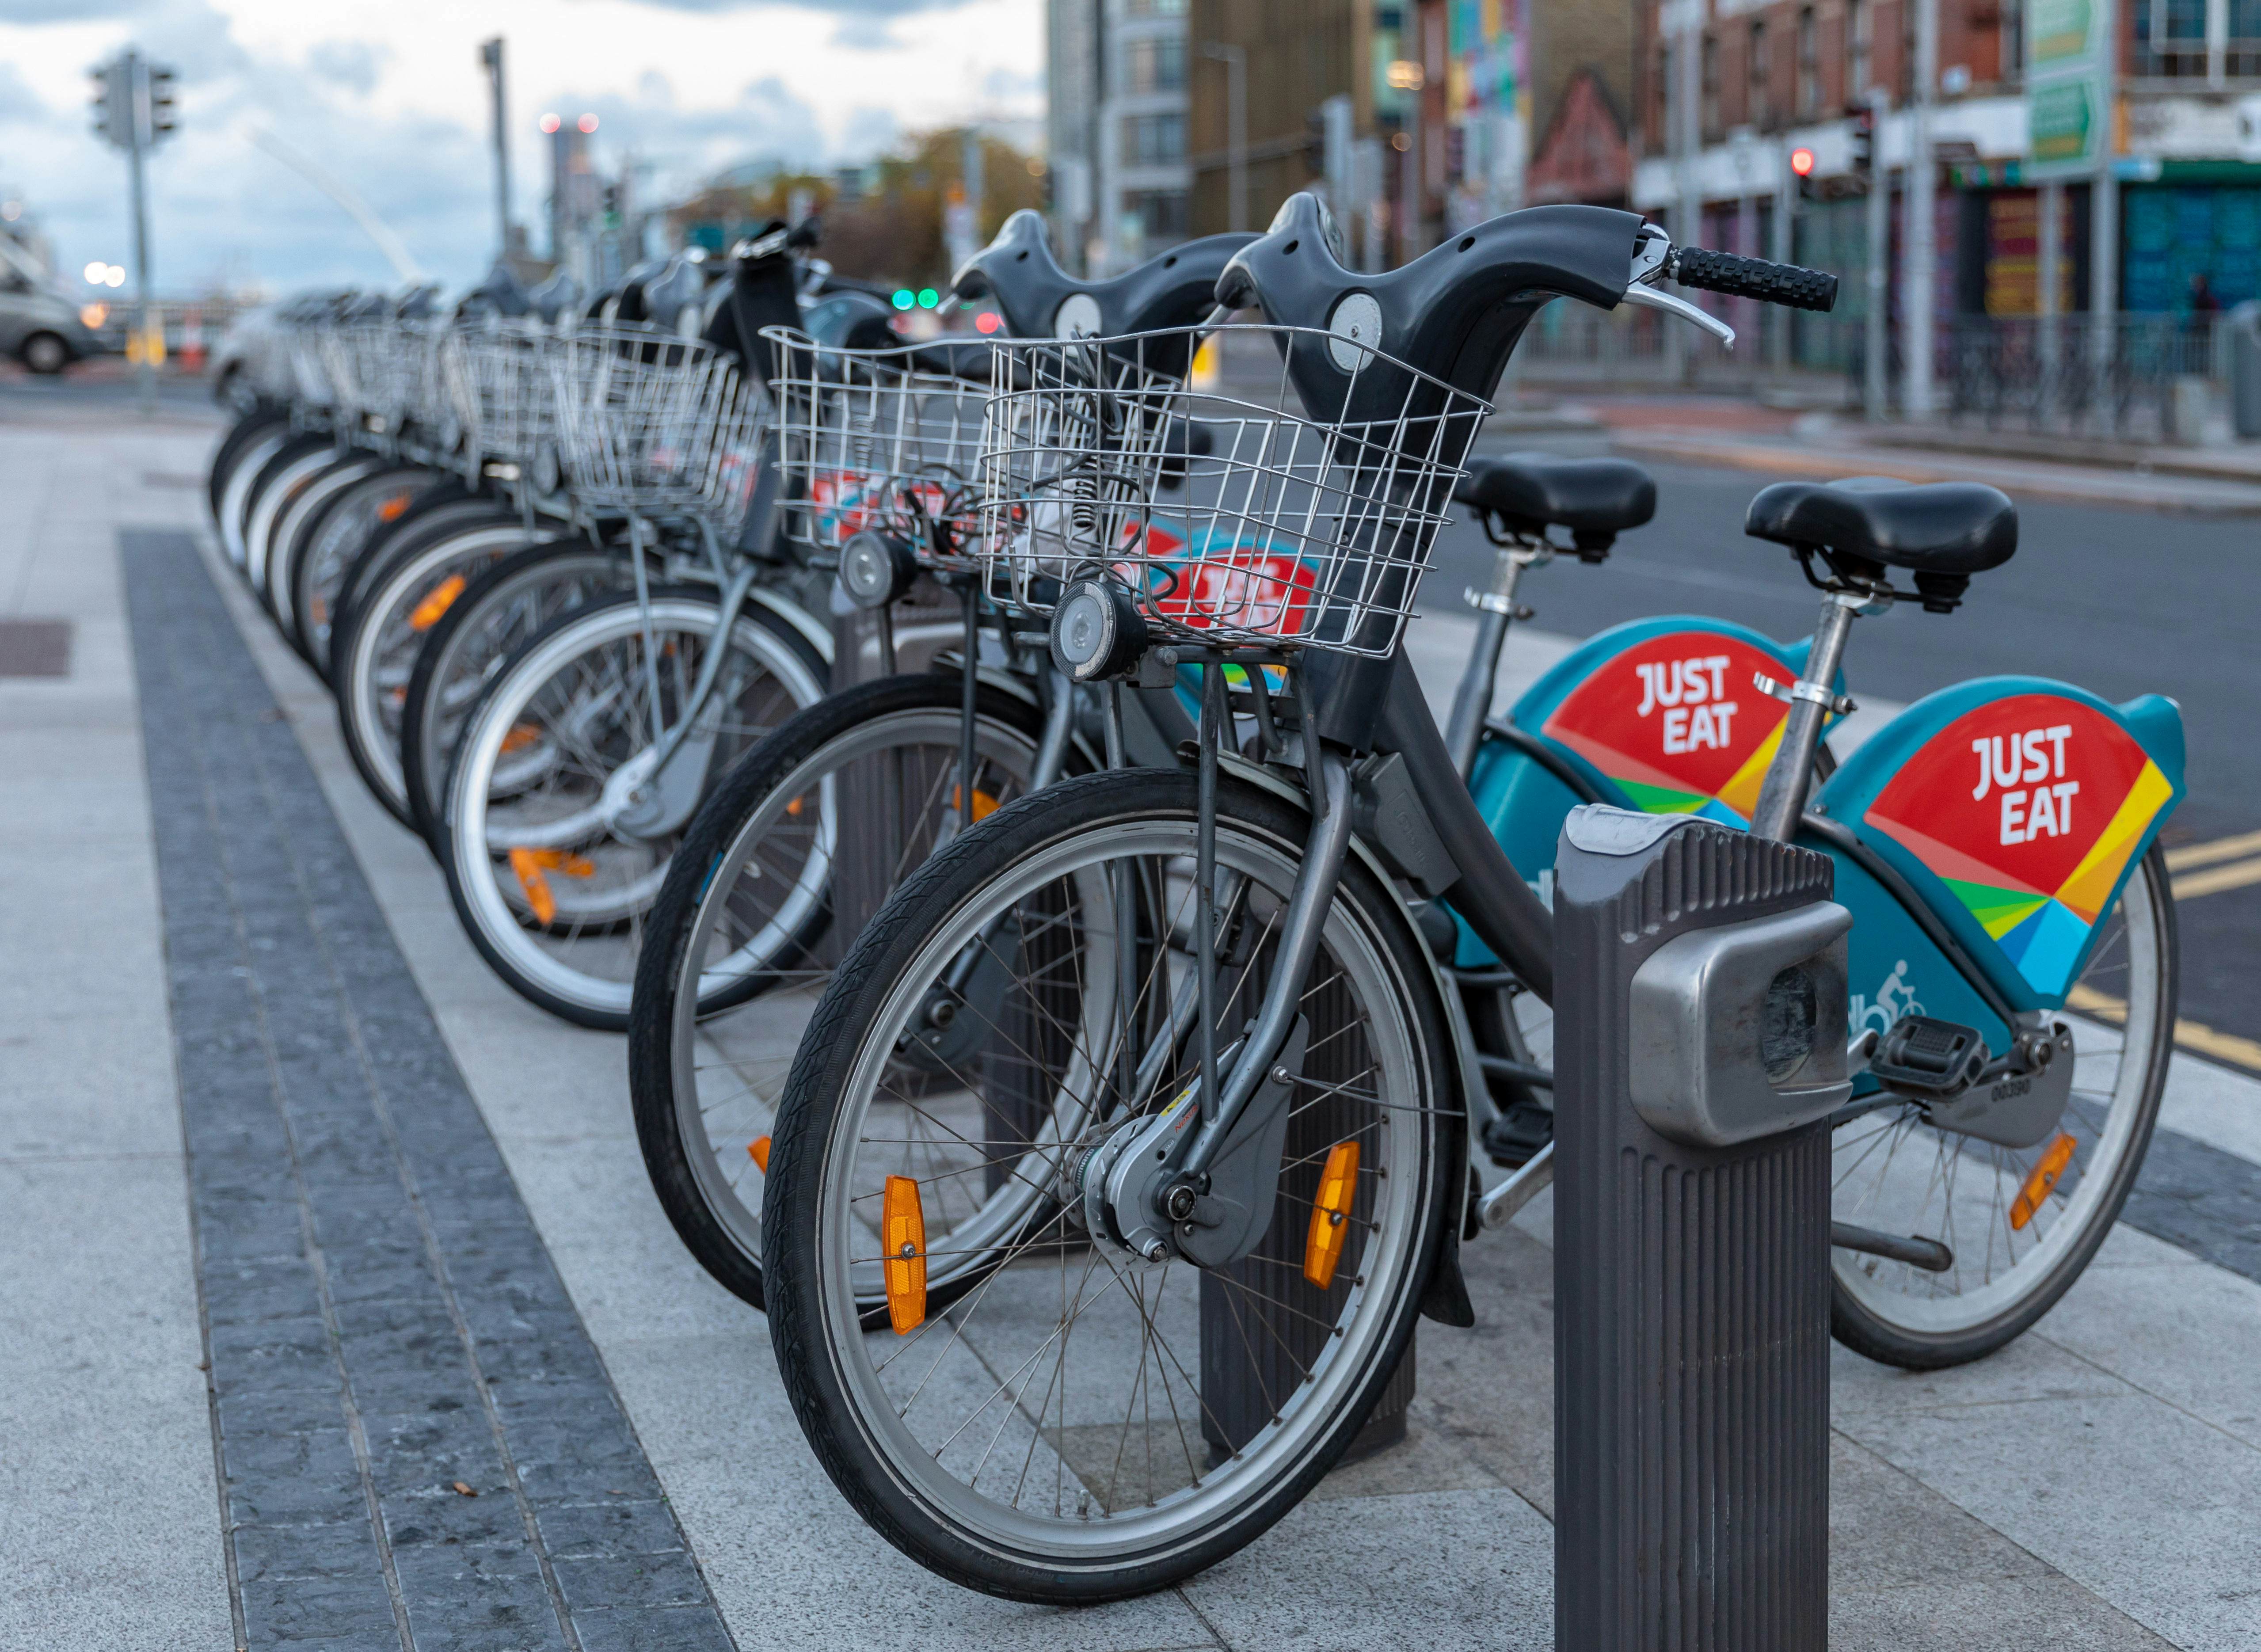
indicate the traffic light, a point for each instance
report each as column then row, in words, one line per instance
column 1801, row 166
column 161, row 110
column 113, row 104
column 1864, row 141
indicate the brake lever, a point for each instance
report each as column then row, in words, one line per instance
column 1687, row 311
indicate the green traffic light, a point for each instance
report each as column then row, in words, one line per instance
column 929, row 297
column 903, row 299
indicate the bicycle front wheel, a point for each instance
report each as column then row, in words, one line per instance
column 1049, row 1417
column 800, row 844
column 2018, row 1236
column 559, row 823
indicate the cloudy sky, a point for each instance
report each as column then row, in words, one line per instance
column 388, row 96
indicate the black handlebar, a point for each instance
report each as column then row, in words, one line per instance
column 1754, row 278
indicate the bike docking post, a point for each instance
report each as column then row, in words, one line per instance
column 1700, row 1000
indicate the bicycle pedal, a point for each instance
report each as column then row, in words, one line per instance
column 1512, row 1139
column 1928, row 1058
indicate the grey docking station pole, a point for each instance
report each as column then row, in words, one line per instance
column 1701, row 1009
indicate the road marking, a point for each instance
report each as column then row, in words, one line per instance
column 2235, row 875
column 2221, row 849
column 2190, row 1034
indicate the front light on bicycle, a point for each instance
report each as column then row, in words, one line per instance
column 1097, row 631
column 876, row 569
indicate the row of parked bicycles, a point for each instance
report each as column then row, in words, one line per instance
column 1072, row 983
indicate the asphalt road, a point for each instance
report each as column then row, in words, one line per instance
column 2122, row 602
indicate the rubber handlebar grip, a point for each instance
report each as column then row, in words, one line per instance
column 1784, row 284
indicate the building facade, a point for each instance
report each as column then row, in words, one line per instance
column 1771, row 79
column 1116, row 76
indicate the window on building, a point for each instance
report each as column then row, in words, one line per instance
column 1758, row 107
column 2170, row 39
column 1710, row 102
column 1859, row 72
column 1162, row 214
column 1809, row 66
column 1907, row 53
column 1153, row 8
column 2014, row 45
column 2243, row 57
column 1153, row 140
column 1154, row 66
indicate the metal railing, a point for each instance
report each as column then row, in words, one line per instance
column 2114, row 375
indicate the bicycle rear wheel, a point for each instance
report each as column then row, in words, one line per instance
column 784, row 865
column 1058, row 1420
column 1895, row 1174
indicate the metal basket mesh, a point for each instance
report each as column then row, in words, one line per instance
column 885, row 439
column 507, row 394
column 308, row 364
column 1235, row 514
column 655, row 425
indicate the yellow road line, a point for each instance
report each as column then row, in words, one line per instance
column 2235, row 875
column 2221, row 849
column 2194, row 1036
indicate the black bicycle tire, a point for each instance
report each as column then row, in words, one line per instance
column 301, row 595
column 826, row 1055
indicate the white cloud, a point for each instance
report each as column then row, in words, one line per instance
column 396, row 107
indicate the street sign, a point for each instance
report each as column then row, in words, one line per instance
column 2069, row 83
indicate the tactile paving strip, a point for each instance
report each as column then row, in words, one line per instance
column 419, row 1446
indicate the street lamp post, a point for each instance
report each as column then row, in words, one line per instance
column 1235, row 59
column 491, row 55
column 1918, row 282
column 133, row 111
column 1880, row 235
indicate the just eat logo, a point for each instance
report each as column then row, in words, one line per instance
column 2009, row 765
column 1692, row 693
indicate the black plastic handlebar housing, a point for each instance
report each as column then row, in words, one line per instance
column 1018, row 271
column 1455, row 312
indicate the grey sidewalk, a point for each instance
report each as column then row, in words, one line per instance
column 2094, row 1486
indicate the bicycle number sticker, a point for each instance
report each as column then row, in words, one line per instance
column 2028, row 808
column 1676, row 723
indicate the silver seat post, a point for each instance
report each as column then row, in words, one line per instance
column 1789, row 777
column 1472, row 700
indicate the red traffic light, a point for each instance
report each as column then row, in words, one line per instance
column 1801, row 161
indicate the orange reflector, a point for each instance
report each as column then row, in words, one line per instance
column 2043, row 1179
column 435, row 607
column 1331, row 1214
column 902, row 1227
column 529, row 865
column 758, row 1150
column 389, row 511
column 985, row 804
column 792, row 809
column 521, row 737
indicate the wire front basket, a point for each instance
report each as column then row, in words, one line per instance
column 508, row 396
column 653, row 425
column 885, row 439
column 1292, row 501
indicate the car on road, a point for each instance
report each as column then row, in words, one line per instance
column 39, row 325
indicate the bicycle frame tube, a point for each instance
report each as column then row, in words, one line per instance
column 734, row 598
column 1782, row 795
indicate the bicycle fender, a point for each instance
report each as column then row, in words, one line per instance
column 2016, row 809
column 1659, row 714
column 1446, row 1298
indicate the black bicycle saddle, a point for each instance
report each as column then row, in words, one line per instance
column 1040, row 300
column 1596, row 499
column 555, row 297
column 1942, row 532
column 1455, row 312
